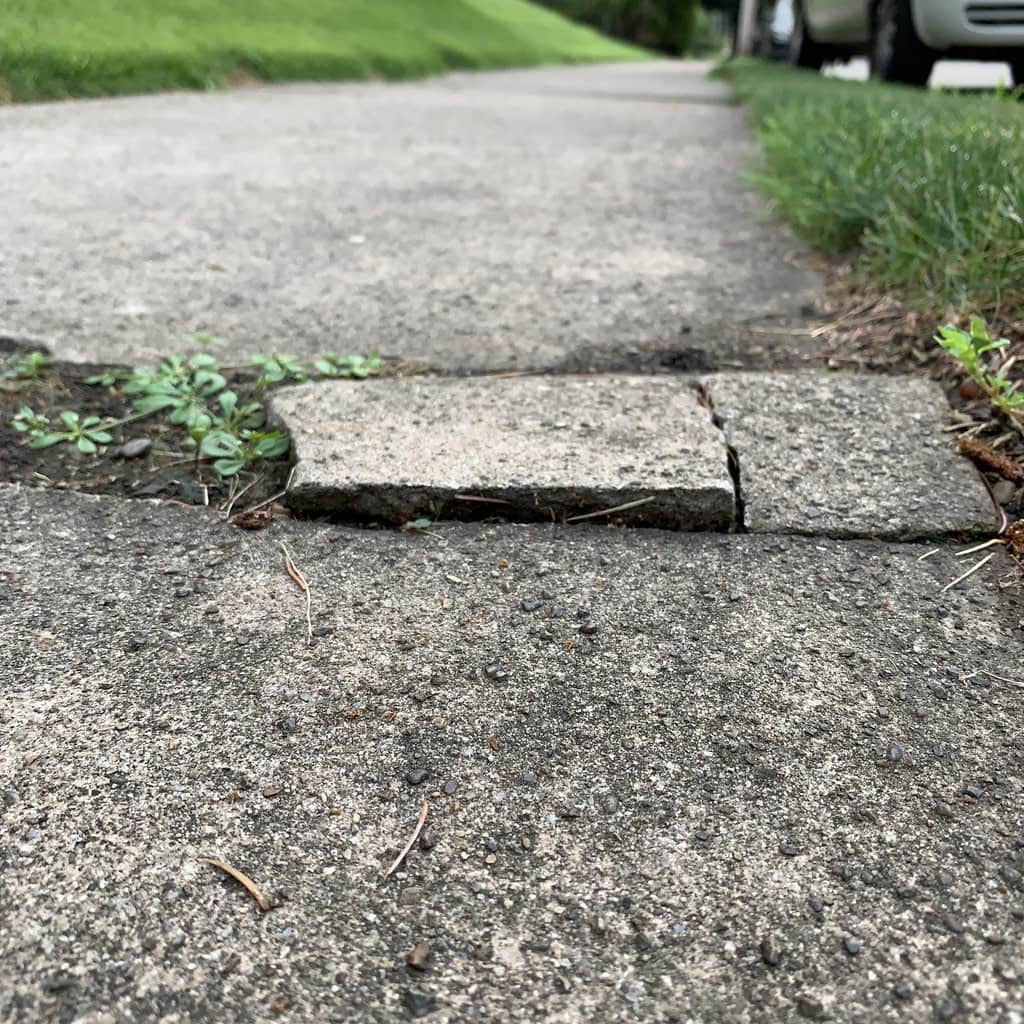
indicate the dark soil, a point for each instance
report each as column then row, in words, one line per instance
column 168, row 470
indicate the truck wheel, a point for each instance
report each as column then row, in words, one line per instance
column 803, row 51
column 1017, row 69
column 897, row 53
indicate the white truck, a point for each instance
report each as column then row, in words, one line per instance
column 901, row 38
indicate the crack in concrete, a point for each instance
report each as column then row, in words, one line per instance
column 732, row 455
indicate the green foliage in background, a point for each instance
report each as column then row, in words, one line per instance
column 664, row 25
column 925, row 188
column 55, row 48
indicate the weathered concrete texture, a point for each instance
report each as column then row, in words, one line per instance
column 841, row 456
column 696, row 754
column 542, row 448
column 475, row 222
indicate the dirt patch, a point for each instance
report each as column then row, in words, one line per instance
column 167, row 469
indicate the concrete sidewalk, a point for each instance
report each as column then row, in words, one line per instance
column 510, row 220
column 735, row 776
column 671, row 777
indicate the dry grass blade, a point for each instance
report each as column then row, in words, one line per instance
column 480, row 498
column 234, row 497
column 412, row 839
column 262, row 900
column 293, row 571
column 998, row 541
column 273, row 497
column 609, row 511
column 970, row 572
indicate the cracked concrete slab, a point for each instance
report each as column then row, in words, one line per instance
column 478, row 222
column 525, row 447
column 671, row 777
column 843, row 456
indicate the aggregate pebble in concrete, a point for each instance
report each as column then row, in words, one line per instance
column 541, row 447
column 482, row 222
column 842, row 456
column 681, row 816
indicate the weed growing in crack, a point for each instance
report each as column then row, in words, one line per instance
column 87, row 433
column 21, row 369
column 191, row 392
column 973, row 350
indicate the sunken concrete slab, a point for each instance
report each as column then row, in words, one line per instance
column 511, row 221
column 842, row 456
column 531, row 447
column 695, row 754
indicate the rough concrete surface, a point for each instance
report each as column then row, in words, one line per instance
column 489, row 221
column 540, row 447
column 844, row 456
column 706, row 778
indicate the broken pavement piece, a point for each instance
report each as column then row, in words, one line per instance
column 523, row 447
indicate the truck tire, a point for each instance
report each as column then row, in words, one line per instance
column 803, row 51
column 1017, row 69
column 897, row 53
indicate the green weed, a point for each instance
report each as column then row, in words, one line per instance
column 974, row 351
column 87, row 433
column 191, row 393
column 20, row 369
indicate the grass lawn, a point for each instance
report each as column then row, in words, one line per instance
column 926, row 189
column 57, row 48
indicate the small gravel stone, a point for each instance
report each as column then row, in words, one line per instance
column 944, row 810
column 903, row 990
column 411, row 896
column 905, row 892
column 527, row 778
column 323, row 630
column 853, row 945
column 417, row 776
column 418, row 1004
column 287, row 726
column 135, row 448
column 974, row 792
column 771, row 950
column 428, row 839
column 57, row 982
column 811, row 1008
column 451, row 787
column 137, row 642
column 954, row 925
column 894, row 752
column 529, row 604
column 789, row 849
column 589, row 629
column 1011, row 875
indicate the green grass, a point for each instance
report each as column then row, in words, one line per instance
column 927, row 189
column 58, row 48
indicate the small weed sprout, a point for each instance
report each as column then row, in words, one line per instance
column 20, row 370
column 970, row 349
column 87, row 434
column 359, row 367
